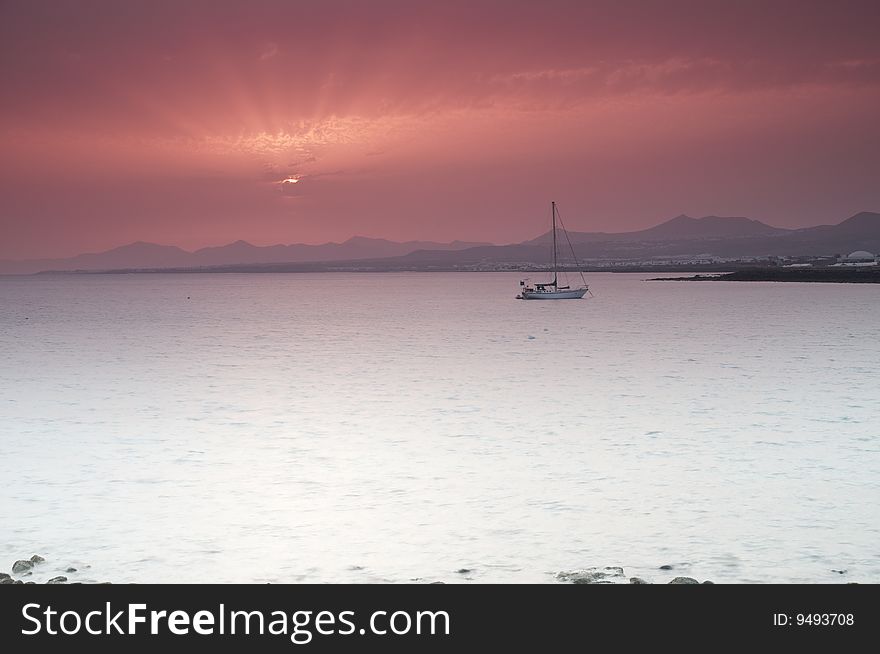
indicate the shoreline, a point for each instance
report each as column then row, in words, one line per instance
column 23, row 569
column 22, row 573
column 811, row 275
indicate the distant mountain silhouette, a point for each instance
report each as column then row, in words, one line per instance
column 133, row 255
column 680, row 228
column 686, row 228
column 681, row 236
column 142, row 255
column 357, row 247
column 866, row 223
column 858, row 232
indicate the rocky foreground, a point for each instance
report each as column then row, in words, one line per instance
column 615, row 575
column 24, row 568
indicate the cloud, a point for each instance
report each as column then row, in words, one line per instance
column 269, row 51
column 388, row 58
column 566, row 87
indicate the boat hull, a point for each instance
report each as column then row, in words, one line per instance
column 574, row 294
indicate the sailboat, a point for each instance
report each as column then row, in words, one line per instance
column 552, row 290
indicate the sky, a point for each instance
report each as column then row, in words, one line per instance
column 199, row 123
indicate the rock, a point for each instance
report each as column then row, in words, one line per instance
column 30, row 583
column 432, row 583
column 3, row 575
column 592, row 575
column 36, row 558
column 18, row 581
column 684, row 580
column 57, row 580
column 21, row 565
column 711, row 583
column 840, row 572
column 70, row 570
column 586, row 578
column 7, row 580
column 667, row 567
column 463, row 571
column 637, row 580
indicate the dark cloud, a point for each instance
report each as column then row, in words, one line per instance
column 106, row 64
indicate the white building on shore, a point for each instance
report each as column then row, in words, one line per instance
column 858, row 258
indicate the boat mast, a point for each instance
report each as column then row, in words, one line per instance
column 553, row 211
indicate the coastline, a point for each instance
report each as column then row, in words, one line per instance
column 813, row 275
column 26, row 571
column 22, row 573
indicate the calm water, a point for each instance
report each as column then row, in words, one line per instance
column 392, row 427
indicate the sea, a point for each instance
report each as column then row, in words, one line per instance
column 420, row 427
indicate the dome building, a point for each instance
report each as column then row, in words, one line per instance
column 860, row 255
column 859, row 258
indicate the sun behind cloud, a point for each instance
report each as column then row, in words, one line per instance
column 290, row 186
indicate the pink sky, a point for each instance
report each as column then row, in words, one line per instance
column 177, row 122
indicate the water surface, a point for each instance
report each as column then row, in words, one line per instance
column 391, row 427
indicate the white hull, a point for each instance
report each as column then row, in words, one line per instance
column 574, row 294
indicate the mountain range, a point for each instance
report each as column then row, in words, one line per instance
column 141, row 255
column 681, row 236
column 680, row 228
